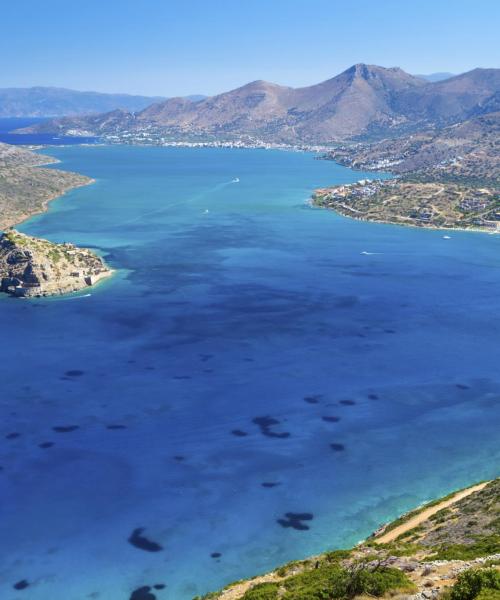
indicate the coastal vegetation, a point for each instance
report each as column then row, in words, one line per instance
column 26, row 188
column 451, row 552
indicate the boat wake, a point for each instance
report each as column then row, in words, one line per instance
column 194, row 198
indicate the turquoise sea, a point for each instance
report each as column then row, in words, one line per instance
column 252, row 357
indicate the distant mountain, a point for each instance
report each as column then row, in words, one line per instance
column 56, row 102
column 436, row 76
column 365, row 101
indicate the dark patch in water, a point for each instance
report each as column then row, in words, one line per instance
column 179, row 458
column 331, row 419
column 205, row 357
column 21, row 585
column 159, row 586
column 65, row 428
column 142, row 593
column 13, row 435
column 346, row 301
column 181, row 377
column 239, row 433
column 337, row 447
column 216, row 555
column 389, row 331
column 294, row 520
column 46, row 445
column 142, row 542
column 313, row 399
column 265, row 424
column 270, row 484
column 348, row 402
column 373, row 396
column 74, row 373
column 462, row 386
column 116, row 427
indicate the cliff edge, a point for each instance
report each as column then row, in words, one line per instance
column 33, row 267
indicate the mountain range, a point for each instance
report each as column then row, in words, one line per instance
column 363, row 102
column 56, row 102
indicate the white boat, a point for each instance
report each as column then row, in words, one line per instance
column 236, row 180
column 446, row 237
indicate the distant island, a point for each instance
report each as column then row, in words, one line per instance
column 42, row 101
column 446, row 549
column 30, row 266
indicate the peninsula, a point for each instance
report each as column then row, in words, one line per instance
column 448, row 549
column 25, row 188
column 30, row 266
column 447, row 178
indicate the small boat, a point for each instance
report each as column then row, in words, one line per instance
column 236, row 180
column 446, row 237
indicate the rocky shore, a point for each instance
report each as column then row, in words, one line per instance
column 32, row 267
column 29, row 266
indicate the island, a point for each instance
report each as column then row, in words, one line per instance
column 30, row 266
column 446, row 549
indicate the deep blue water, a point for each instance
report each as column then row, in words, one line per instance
column 231, row 302
column 7, row 125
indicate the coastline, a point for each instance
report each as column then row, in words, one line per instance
column 45, row 203
column 31, row 266
column 315, row 205
column 390, row 546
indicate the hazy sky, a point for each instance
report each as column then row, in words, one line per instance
column 177, row 47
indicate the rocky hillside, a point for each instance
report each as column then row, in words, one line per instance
column 25, row 188
column 470, row 149
column 35, row 267
column 448, row 549
column 363, row 101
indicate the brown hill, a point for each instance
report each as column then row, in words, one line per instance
column 363, row 101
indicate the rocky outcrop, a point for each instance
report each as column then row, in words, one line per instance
column 32, row 267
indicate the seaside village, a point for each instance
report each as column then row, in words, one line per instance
column 479, row 207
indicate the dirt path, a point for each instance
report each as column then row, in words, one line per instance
column 391, row 535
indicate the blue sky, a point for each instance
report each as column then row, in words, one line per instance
column 177, row 47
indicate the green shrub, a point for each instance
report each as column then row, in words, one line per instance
column 484, row 546
column 332, row 581
column 262, row 591
column 470, row 583
column 489, row 594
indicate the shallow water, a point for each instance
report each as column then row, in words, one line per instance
column 234, row 302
